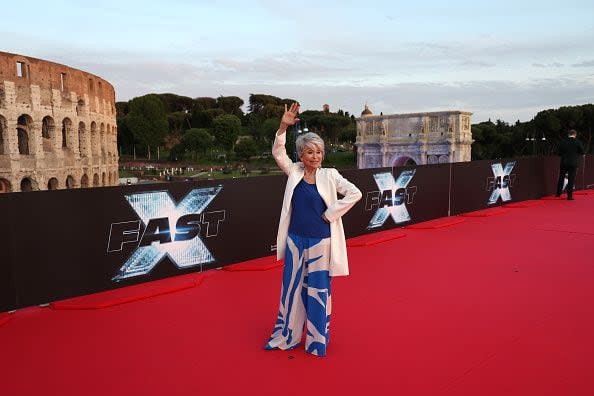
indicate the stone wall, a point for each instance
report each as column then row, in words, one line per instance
column 57, row 127
column 422, row 138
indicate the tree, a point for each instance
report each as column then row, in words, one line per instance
column 269, row 128
column 204, row 103
column 178, row 121
column 197, row 141
column 204, row 118
column 230, row 105
column 125, row 136
column 174, row 103
column 246, row 148
column 147, row 121
column 226, row 128
column 121, row 109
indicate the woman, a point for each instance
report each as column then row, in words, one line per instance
column 310, row 238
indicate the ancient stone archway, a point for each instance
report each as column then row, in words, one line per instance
column 3, row 136
column 404, row 160
column 24, row 128
column 70, row 182
column 83, row 147
column 66, row 132
column 28, row 184
column 5, row 186
column 48, row 127
column 52, row 184
column 84, row 181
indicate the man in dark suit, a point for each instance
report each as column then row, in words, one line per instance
column 569, row 149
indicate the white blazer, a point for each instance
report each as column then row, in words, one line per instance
column 328, row 182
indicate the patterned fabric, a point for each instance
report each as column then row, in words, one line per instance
column 305, row 296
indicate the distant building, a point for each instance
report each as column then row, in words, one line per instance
column 326, row 108
column 57, row 127
column 415, row 138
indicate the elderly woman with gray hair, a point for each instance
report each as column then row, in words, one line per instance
column 310, row 238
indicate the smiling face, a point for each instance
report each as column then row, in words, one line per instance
column 312, row 156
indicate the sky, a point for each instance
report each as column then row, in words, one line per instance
column 499, row 60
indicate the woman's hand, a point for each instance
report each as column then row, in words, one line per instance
column 289, row 118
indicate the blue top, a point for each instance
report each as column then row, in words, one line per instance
column 306, row 214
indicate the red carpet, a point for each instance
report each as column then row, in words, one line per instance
column 130, row 294
column 437, row 223
column 497, row 305
column 259, row 264
column 486, row 212
column 375, row 238
column 4, row 318
column 524, row 204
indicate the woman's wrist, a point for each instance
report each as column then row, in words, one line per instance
column 283, row 127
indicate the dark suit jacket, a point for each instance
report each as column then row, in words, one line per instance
column 570, row 149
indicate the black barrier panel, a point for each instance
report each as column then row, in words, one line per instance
column 397, row 197
column 528, row 182
column 589, row 171
column 551, row 174
column 60, row 244
column 483, row 184
column 88, row 240
column 7, row 235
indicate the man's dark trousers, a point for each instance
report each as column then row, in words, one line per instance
column 570, row 171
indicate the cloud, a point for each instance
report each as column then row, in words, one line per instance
column 584, row 64
column 548, row 65
column 495, row 99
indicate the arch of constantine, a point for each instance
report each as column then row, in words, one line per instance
column 415, row 138
column 57, row 127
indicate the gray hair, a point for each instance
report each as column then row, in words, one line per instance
column 308, row 139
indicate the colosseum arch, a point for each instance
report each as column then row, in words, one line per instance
column 48, row 133
column 94, row 139
column 102, row 140
column 66, row 133
column 3, row 137
column 108, row 141
column 84, row 181
column 28, row 184
column 96, row 182
column 52, row 184
column 70, row 183
column 5, row 186
column 83, row 145
column 103, row 179
column 80, row 107
column 24, row 129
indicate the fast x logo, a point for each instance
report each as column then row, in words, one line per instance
column 500, row 183
column 391, row 199
column 171, row 230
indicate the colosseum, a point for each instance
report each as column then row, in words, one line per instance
column 57, row 127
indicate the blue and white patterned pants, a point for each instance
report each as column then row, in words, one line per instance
column 305, row 295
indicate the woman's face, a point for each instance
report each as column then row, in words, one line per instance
column 312, row 156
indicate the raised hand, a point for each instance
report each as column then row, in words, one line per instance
column 290, row 117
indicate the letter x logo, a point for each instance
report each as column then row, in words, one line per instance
column 502, row 182
column 186, row 249
column 393, row 198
